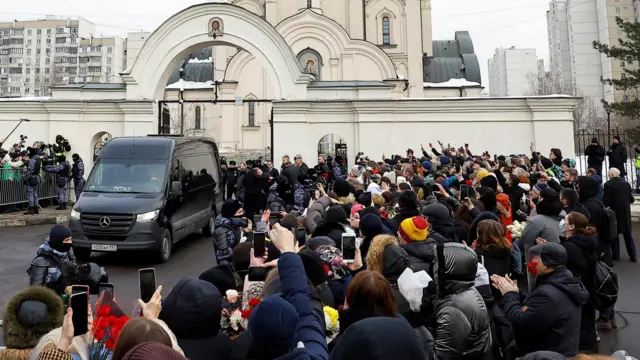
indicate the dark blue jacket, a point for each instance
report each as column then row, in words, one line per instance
column 549, row 318
column 294, row 289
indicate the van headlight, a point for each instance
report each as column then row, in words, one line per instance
column 150, row 216
column 75, row 214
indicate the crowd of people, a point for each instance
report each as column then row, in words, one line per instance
column 29, row 164
column 440, row 270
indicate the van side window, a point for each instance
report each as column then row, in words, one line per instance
column 176, row 170
column 199, row 168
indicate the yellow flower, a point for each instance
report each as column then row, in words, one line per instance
column 332, row 314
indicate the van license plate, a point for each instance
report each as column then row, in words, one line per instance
column 97, row 247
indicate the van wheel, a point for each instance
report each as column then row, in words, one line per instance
column 82, row 254
column 164, row 251
column 210, row 228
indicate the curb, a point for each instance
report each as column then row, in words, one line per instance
column 32, row 221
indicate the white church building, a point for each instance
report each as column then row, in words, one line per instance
column 277, row 77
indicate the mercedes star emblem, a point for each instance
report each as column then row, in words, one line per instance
column 105, row 222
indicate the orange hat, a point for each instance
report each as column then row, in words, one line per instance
column 414, row 229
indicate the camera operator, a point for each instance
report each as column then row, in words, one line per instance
column 77, row 174
column 62, row 171
column 60, row 147
column 55, row 266
column 12, row 163
column 32, row 180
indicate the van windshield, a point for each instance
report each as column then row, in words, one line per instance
column 140, row 176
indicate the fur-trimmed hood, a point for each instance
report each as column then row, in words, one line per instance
column 375, row 255
column 19, row 336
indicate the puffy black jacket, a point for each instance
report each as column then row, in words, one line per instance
column 497, row 261
column 588, row 190
column 192, row 311
column 461, row 324
column 549, row 318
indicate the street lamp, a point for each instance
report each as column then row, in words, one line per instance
column 609, row 121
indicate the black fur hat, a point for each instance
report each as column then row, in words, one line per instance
column 31, row 314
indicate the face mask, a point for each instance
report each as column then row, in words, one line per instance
column 64, row 247
column 531, row 266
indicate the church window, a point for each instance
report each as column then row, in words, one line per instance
column 252, row 113
column 386, row 31
column 198, row 123
column 309, row 4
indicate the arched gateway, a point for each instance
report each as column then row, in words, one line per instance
column 208, row 24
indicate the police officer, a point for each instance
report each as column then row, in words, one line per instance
column 61, row 146
column 232, row 179
column 77, row 174
column 32, row 180
column 62, row 171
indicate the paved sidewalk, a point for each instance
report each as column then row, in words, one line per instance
column 47, row 215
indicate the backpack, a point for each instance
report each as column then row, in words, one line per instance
column 611, row 224
column 605, row 292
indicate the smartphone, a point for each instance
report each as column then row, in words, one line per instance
column 348, row 247
column 301, row 236
column 77, row 289
column 107, row 289
column 464, row 191
column 79, row 303
column 259, row 244
column 257, row 273
column 147, row 278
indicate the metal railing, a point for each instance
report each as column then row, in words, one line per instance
column 13, row 190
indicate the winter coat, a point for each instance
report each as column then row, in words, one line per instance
column 441, row 220
column 579, row 208
column 543, row 226
column 618, row 157
column 52, row 269
column 225, row 238
column 497, row 261
column 20, row 338
column 291, row 172
column 316, row 212
column 333, row 231
column 618, row 197
column 192, row 310
column 461, row 326
column 549, row 318
column 404, row 214
column 588, row 187
column 595, row 156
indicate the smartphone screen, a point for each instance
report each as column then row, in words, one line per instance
column 147, row 283
column 80, row 305
column 77, row 289
column 348, row 247
column 107, row 289
column 258, row 273
column 258, row 244
column 301, row 236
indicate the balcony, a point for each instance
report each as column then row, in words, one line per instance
column 62, row 34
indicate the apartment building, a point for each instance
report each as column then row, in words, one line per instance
column 573, row 25
column 512, row 72
column 133, row 44
column 38, row 54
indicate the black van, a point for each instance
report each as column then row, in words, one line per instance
column 146, row 193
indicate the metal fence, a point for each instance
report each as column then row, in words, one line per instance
column 14, row 191
column 583, row 139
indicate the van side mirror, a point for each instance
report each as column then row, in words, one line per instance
column 176, row 188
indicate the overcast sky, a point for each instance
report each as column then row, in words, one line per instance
column 492, row 23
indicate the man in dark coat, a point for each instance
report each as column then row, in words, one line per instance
column 618, row 196
column 587, row 188
column 617, row 155
column 549, row 317
column 595, row 155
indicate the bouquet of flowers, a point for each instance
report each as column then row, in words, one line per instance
column 237, row 321
column 516, row 228
column 331, row 317
column 105, row 331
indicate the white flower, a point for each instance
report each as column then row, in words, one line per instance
column 236, row 319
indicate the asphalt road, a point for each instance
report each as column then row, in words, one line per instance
column 194, row 255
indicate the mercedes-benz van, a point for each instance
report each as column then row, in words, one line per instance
column 147, row 193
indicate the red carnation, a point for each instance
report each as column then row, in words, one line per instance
column 253, row 302
column 246, row 313
column 326, row 269
column 110, row 344
column 104, row 310
column 98, row 333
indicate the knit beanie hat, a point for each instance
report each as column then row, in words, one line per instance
column 273, row 325
column 427, row 165
column 356, row 208
column 553, row 255
column 313, row 267
column 414, row 229
column 482, row 174
column 445, row 160
column 371, row 225
column 490, row 182
column 539, row 188
column 230, row 208
column 57, row 234
column 408, row 200
column 152, row 351
column 342, row 188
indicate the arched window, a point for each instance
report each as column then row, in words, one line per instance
column 309, row 4
column 198, row 123
column 252, row 113
column 386, row 31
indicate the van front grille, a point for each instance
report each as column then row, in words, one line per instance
column 106, row 223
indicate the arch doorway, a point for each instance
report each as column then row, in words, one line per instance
column 333, row 145
column 98, row 142
column 211, row 24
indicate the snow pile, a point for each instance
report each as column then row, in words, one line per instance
column 191, row 85
column 28, row 98
column 201, row 61
column 453, row 83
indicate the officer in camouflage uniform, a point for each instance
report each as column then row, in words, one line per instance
column 32, row 180
column 77, row 174
column 62, row 171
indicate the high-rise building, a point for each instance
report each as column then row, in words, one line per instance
column 559, row 47
column 513, row 72
column 133, row 44
column 38, row 54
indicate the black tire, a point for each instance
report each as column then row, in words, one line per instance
column 210, row 228
column 165, row 246
column 82, row 254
